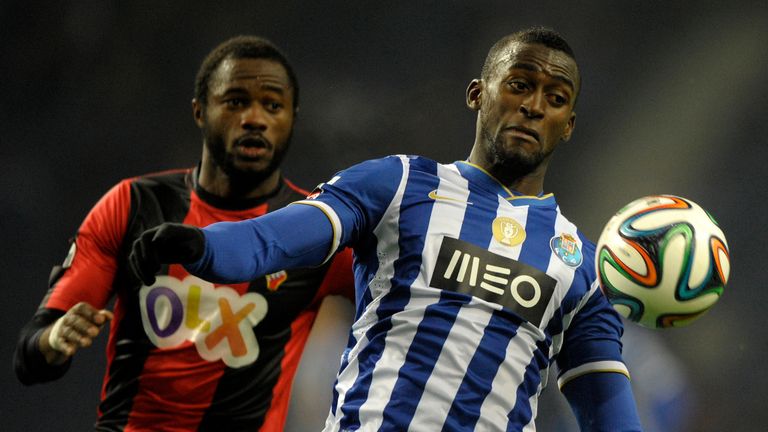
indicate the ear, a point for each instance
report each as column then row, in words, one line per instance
column 197, row 112
column 474, row 92
column 569, row 127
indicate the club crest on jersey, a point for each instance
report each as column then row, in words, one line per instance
column 217, row 320
column 469, row 269
column 274, row 280
column 567, row 249
column 508, row 231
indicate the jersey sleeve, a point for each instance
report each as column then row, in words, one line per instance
column 335, row 215
column 592, row 341
column 355, row 199
column 86, row 275
column 90, row 267
column 603, row 402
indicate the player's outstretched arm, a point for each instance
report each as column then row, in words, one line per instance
column 603, row 402
column 231, row 252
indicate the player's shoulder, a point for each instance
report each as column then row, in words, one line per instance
column 372, row 169
column 165, row 185
column 166, row 176
column 398, row 162
column 180, row 180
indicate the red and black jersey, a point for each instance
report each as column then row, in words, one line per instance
column 185, row 354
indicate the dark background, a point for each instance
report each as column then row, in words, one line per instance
column 674, row 100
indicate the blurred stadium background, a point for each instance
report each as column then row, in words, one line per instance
column 674, row 100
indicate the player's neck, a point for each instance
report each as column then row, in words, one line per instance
column 531, row 184
column 216, row 182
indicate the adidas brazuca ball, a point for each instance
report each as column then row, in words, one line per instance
column 662, row 261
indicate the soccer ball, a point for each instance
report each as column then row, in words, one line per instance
column 662, row 261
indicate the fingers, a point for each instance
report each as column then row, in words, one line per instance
column 178, row 243
column 78, row 328
column 164, row 244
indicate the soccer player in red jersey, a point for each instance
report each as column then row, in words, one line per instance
column 183, row 353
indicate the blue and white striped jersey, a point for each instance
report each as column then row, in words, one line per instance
column 466, row 294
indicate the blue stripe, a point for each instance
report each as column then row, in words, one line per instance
column 521, row 413
column 365, row 266
column 421, row 358
column 539, row 229
column 489, row 355
column 477, row 226
column 415, row 209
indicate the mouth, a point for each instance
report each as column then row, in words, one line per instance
column 523, row 132
column 252, row 146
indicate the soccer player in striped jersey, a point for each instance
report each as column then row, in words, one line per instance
column 470, row 281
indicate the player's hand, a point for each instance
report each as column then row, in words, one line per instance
column 74, row 330
column 164, row 244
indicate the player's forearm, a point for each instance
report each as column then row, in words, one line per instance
column 52, row 356
column 292, row 237
column 31, row 363
column 603, row 402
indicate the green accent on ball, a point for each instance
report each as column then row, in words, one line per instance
column 614, row 295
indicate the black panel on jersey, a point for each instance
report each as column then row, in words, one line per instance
column 154, row 199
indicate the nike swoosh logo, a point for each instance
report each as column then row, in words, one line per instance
column 436, row 197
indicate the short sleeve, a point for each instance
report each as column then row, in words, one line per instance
column 91, row 264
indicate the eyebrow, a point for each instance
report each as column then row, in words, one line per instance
column 264, row 86
column 532, row 68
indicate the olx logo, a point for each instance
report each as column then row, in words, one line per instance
column 217, row 320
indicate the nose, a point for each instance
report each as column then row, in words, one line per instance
column 532, row 106
column 254, row 118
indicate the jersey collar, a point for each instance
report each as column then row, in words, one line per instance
column 226, row 203
column 484, row 179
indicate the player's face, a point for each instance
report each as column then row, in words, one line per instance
column 525, row 108
column 248, row 119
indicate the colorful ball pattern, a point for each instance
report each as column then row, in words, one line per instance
column 662, row 261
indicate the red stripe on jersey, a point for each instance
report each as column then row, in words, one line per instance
column 97, row 244
column 281, row 393
column 338, row 280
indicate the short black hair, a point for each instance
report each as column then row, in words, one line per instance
column 239, row 47
column 540, row 35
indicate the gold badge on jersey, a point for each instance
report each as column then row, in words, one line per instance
column 508, row 231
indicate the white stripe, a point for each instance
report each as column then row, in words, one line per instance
column 442, row 386
column 335, row 224
column 503, row 395
column 388, row 251
column 557, row 340
column 534, row 402
column 440, row 389
column 564, row 275
column 599, row 366
column 399, row 338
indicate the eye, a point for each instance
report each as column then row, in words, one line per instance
column 236, row 102
column 557, row 99
column 273, row 106
column 518, row 85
